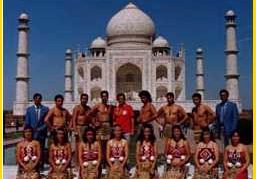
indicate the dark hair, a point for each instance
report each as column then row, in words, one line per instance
column 58, row 96
column 113, row 130
column 233, row 133
column 84, row 94
column 37, row 95
column 224, row 91
column 152, row 137
column 55, row 139
column 171, row 94
column 197, row 95
column 85, row 132
column 146, row 94
column 120, row 94
column 181, row 133
column 28, row 127
column 104, row 91
column 206, row 129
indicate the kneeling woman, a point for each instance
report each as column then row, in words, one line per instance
column 206, row 157
column 236, row 159
column 89, row 155
column 117, row 154
column 177, row 154
column 146, row 153
column 28, row 156
column 59, row 155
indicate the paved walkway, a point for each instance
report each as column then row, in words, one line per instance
column 12, row 141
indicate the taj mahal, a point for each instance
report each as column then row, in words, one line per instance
column 130, row 58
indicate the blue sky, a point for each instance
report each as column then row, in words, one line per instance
column 58, row 24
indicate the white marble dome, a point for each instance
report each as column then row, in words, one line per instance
column 199, row 50
column 68, row 51
column 160, row 42
column 130, row 21
column 24, row 16
column 98, row 43
column 230, row 13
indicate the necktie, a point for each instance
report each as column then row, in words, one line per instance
column 37, row 113
column 222, row 113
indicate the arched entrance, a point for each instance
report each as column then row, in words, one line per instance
column 160, row 93
column 95, row 73
column 95, row 94
column 129, row 80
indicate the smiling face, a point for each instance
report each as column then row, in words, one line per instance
column 196, row 100
column 60, row 136
column 120, row 99
column 147, row 133
column 170, row 99
column 144, row 99
column 37, row 100
column 118, row 132
column 206, row 137
column 104, row 98
column 177, row 134
column 223, row 96
column 28, row 134
column 235, row 138
column 89, row 136
column 59, row 102
column 84, row 100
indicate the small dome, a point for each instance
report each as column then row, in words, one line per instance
column 68, row 51
column 24, row 16
column 199, row 50
column 99, row 43
column 160, row 42
column 130, row 21
column 230, row 13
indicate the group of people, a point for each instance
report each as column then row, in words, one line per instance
column 103, row 134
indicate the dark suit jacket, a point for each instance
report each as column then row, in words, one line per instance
column 39, row 126
column 231, row 117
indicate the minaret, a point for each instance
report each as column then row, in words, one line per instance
column 182, row 54
column 68, row 76
column 199, row 72
column 231, row 56
column 22, row 78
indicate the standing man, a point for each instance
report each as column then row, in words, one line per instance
column 58, row 117
column 172, row 113
column 202, row 116
column 148, row 112
column 227, row 116
column 123, row 116
column 35, row 116
column 103, row 113
column 80, row 119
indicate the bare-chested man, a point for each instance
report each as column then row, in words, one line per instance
column 202, row 114
column 58, row 117
column 80, row 119
column 147, row 112
column 103, row 113
column 172, row 113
